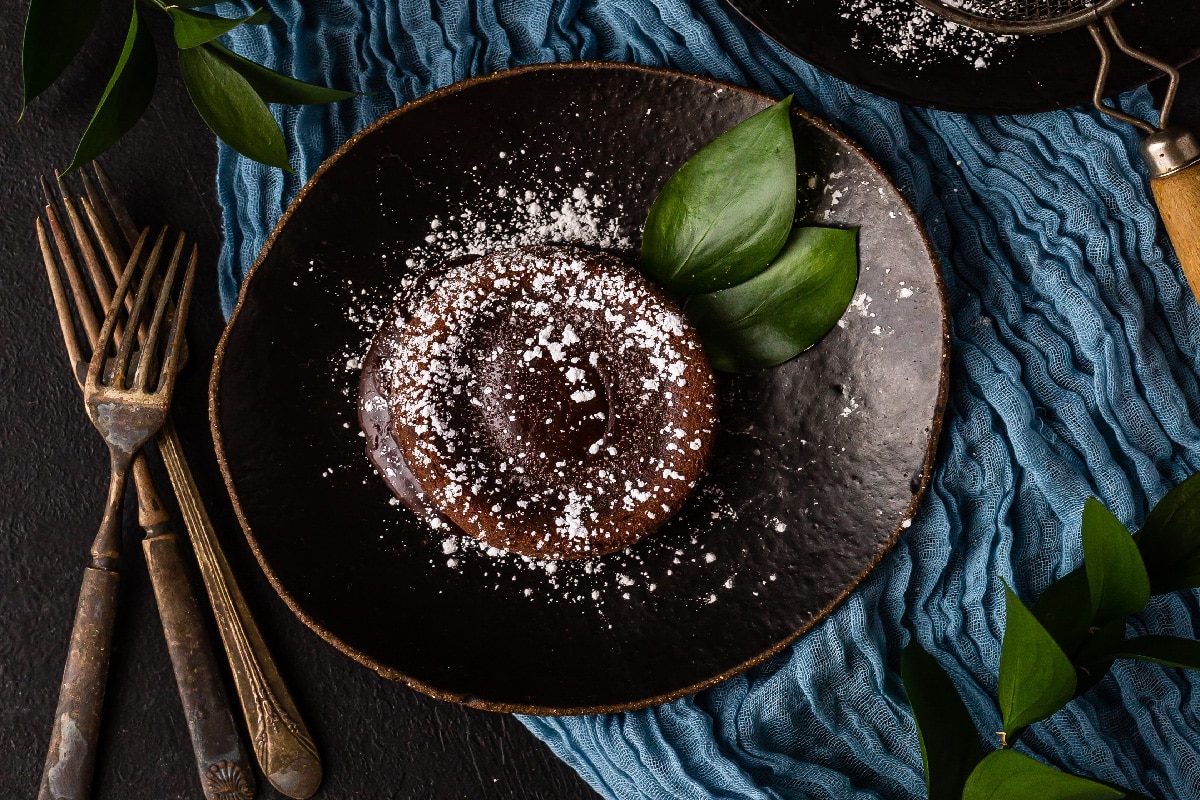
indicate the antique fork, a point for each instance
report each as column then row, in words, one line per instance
column 127, row 408
column 224, row 769
column 281, row 741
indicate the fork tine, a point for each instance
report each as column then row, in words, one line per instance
column 150, row 342
column 104, row 342
column 114, row 202
column 61, row 304
column 87, row 315
column 115, row 261
column 134, row 322
column 166, row 379
column 109, row 226
column 84, row 242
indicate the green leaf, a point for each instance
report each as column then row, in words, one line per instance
column 55, row 30
column 783, row 311
column 1170, row 540
column 949, row 744
column 1095, row 658
column 1065, row 611
column 230, row 106
column 1171, row 651
column 1009, row 775
column 194, row 28
column 275, row 87
column 1036, row 678
column 724, row 214
column 1117, row 579
column 125, row 97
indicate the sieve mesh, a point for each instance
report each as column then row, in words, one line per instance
column 1020, row 10
column 1021, row 16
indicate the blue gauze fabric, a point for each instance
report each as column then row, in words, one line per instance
column 1073, row 373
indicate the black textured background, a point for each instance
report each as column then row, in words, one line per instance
column 378, row 739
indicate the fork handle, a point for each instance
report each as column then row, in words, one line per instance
column 281, row 741
column 73, row 738
column 71, row 757
column 225, row 772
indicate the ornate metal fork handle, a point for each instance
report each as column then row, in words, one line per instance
column 284, row 748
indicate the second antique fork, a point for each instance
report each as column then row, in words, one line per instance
column 127, row 407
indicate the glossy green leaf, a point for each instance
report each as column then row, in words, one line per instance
column 1095, row 658
column 1170, row 540
column 1117, row 579
column 1036, row 678
column 1009, row 775
column 950, row 746
column 1065, row 610
column 125, row 97
column 275, row 87
column 783, row 311
column 194, row 28
column 724, row 214
column 231, row 107
column 1171, row 651
column 55, row 30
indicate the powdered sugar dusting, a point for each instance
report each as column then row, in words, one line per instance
column 478, row 372
column 906, row 33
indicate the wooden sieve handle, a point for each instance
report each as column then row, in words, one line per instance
column 1173, row 156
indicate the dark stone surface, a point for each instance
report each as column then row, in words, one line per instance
column 378, row 738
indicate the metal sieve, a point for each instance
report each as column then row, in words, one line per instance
column 1172, row 153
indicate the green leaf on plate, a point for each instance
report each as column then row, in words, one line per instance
column 194, row 28
column 275, row 87
column 231, row 107
column 784, row 310
column 1009, row 775
column 1170, row 540
column 55, row 30
column 1036, row 678
column 1117, row 579
column 125, row 97
column 724, row 214
column 1171, row 651
column 950, row 746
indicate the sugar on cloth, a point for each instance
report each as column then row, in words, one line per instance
column 1073, row 373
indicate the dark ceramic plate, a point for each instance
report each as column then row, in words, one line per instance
column 898, row 49
column 817, row 467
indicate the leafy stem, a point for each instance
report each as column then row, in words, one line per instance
column 1060, row 648
column 231, row 93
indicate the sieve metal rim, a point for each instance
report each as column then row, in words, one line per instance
column 1053, row 24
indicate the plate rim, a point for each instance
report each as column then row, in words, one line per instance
column 1070, row 101
column 214, row 416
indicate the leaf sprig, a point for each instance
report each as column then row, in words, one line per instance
column 1056, row 651
column 231, row 93
column 720, row 232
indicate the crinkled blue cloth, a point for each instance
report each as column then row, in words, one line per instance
column 1073, row 373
